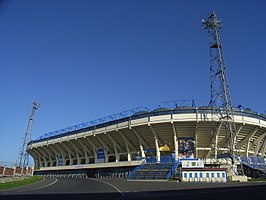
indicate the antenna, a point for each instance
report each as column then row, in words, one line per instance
column 220, row 102
column 23, row 156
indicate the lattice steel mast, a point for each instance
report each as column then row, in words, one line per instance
column 222, row 110
column 23, row 156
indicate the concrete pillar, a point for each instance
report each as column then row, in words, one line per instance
column 158, row 153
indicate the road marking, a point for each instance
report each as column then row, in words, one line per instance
column 109, row 185
column 44, row 186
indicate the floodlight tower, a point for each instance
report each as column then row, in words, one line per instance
column 221, row 104
column 23, row 156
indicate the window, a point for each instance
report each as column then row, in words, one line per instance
column 196, row 175
column 212, row 175
column 207, row 175
column 185, row 175
column 223, row 175
column 190, row 175
column 218, row 174
column 201, row 175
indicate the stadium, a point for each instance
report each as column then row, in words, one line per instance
column 189, row 143
column 116, row 147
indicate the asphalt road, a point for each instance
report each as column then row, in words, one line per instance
column 90, row 189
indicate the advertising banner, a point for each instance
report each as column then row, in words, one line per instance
column 60, row 160
column 100, row 155
column 186, row 147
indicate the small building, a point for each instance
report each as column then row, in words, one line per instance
column 203, row 175
column 193, row 170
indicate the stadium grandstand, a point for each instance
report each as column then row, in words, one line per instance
column 114, row 146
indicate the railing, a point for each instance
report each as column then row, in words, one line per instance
column 136, row 169
column 133, row 114
column 172, row 170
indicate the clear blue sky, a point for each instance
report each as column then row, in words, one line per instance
column 85, row 59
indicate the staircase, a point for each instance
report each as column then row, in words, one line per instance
column 153, row 171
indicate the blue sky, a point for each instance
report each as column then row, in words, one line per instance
column 88, row 59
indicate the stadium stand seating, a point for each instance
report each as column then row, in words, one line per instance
column 154, row 170
column 256, row 164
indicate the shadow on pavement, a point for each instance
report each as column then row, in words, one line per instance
column 241, row 193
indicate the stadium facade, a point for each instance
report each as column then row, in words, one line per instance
column 164, row 133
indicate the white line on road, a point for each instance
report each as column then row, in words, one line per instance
column 109, row 185
column 44, row 186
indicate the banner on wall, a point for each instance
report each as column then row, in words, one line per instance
column 186, row 147
column 60, row 160
column 100, row 155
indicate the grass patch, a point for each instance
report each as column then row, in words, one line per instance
column 256, row 179
column 14, row 184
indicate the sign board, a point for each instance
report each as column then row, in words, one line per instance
column 60, row 160
column 100, row 155
column 192, row 163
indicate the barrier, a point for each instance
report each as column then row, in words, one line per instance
column 15, row 171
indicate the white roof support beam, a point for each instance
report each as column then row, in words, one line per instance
column 247, row 138
column 141, row 140
column 258, row 143
column 263, row 151
column 85, row 147
column 116, row 145
column 128, row 144
column 76, row 148
column 237, row 133
column 37, row 157
column 70, row 153
column 44, row 156
column 248, row 141
column 50, row 156
column 214, row 148
column 56, row 153
column 196, row 139
column 175, row 140
column 216, row 140
column 94, row 147
column 68, row 149
column 132, row 146
column 86, row 150
column 78, row 151
column 41, row 157
column 156, row 139
column 61, row 151
column 106, row 149
column 141, row 143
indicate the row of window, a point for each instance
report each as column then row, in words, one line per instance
column 207, row 175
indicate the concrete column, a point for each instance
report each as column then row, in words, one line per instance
column 4, row 170
column 175, row 141
column 94, row 150
column 158, row 153
column 142, row 151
